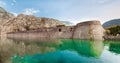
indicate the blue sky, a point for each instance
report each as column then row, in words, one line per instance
column 66, row 10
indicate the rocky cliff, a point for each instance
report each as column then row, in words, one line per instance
column 10, row 23
column 4, row 15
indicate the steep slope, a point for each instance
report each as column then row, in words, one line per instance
column 4, row 15
column 2, row 10
column 28, row 22
column 110, row 23
column 10, row 23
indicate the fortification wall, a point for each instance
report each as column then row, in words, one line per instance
column 85, row 30
column 61, row 32
column 89, row 30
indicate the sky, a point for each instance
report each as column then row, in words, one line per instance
column 74, row 11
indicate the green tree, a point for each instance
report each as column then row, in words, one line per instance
column 114, row 30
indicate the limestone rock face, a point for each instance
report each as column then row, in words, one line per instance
column 4, row 15
column 10, row 23
column 28, row 22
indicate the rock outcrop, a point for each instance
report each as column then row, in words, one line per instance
column 4, row 16
column 28, row 22
column 10, row 23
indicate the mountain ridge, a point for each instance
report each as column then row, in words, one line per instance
column 113, row 22
column 22, row 22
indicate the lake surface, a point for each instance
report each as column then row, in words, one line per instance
column 59, row 51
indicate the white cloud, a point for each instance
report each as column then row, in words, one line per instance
column 100, row 1
column 2, row 4
column 14, row 1
column 30, row 11
column 12, row 4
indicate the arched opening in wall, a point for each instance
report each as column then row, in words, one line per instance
column 71, row 29
column 60, row 29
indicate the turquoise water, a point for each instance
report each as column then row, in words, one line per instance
column 59, row 51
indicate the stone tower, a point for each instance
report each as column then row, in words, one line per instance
column 89, row 30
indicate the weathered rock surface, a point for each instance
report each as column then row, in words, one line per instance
column 10, row 23
column 28, row 22
column 4, row 16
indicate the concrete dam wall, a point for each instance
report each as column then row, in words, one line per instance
column 85, row 30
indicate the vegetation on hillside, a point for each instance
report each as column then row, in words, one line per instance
column 114, row 22
column 114, row 30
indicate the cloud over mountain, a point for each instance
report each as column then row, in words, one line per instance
column 30, row 11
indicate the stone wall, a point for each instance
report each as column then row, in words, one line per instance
column 85, row 30
column 53, row 32
column 89, row 30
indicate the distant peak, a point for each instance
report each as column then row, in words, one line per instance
column 2, row 10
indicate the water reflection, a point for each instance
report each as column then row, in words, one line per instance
column 22, row 47
column 55, row 51
column 9, row 48
column 114, row 46
column 83, row 47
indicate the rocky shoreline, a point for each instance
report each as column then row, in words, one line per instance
column 110, row 37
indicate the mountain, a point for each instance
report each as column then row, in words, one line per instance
column 11, row 23
column 4, row 16
column 2, row 10
column 110, row 23
column 28, row 22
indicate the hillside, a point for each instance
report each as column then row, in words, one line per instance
column 111, row 23
column 4, row 15
column 10, row 23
